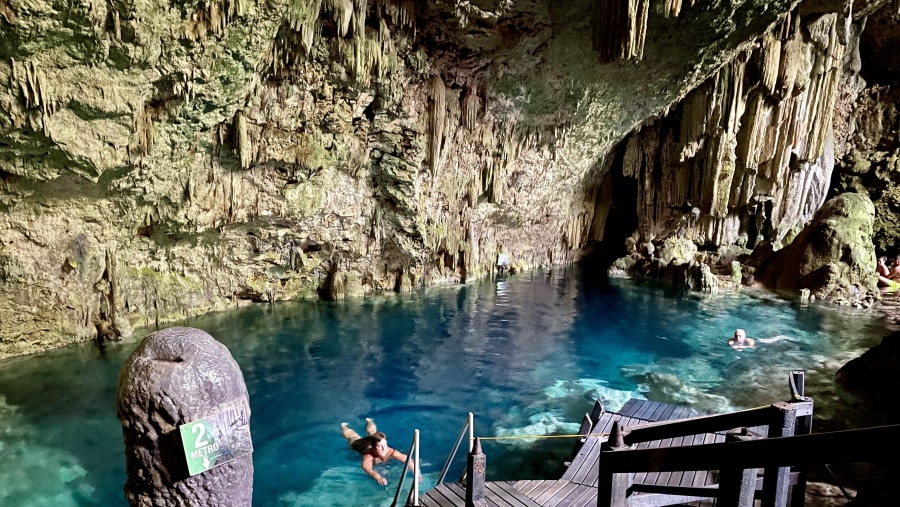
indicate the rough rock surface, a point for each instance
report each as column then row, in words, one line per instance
column 833, row 256
column 176, row 376
column 159, row 161
column 873, row 376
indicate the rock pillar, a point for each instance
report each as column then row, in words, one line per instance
column 185, row 417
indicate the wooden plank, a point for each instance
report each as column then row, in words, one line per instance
column 458, row 490
column 592, row 477
column 498, row 498
column 579, row 497
column 641, row 477
column 646, row 410
column 585, row 462
column 550, row 492
column 586, row 457
column 665, row 477
column 658, row 412
column 677, row 478
column 667, row 413
column 441, row 496
column 631, row 406
column 653, row 477
column 587, row 470
column 557, row 497
column 687, row 478
column 541, row 488
column 511, row 494
column 527, row 487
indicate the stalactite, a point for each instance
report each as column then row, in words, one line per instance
column 242, row 145
column 213, row 17
column 471, row 105
column 771, row 62
column 402, row 12
column 695, row 117
column 117, row 25
column 436, row 122
column 388, row 62
column 303, row 18
column 359, row 16
column 143, row 129
column 343, row 15
column 619, row 29
column 672, row 8
column 823, row 82
column 33, row 85
column 113, row 282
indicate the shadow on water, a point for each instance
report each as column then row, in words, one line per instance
column 528, row 355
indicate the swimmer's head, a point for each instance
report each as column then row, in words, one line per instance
column 739, row 334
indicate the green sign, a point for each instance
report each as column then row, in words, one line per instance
column 216, row 439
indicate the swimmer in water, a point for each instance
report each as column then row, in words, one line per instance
column 740, row 341
column 374, row 450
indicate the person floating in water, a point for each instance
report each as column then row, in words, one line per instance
column 374, row 449
column 740, row 341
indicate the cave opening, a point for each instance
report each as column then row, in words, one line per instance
column 621, row 218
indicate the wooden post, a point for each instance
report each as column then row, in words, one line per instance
column 597, row 411
column 776, row 480
column 612, row 488
column 584, row 430
column 737, row 486
column 803, row 427
column 475, row 470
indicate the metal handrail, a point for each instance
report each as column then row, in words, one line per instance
column 413, row 497
column 469, row 424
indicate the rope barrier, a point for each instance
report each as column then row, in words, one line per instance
column 535, row 437
column 519, row 437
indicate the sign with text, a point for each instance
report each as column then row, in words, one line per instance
column 216, row 439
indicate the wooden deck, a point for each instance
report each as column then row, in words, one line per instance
column 578, row 485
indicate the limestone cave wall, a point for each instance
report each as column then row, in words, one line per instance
column 165, row 160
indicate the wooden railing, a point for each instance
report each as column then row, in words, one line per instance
column 788, row 443
column 736, row 458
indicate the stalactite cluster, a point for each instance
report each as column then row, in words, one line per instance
column 744, row 161
column 436, row 122
column 34, row 86
column 211, row 18
column 367, row 53
column 672, row 8
column 619, row 29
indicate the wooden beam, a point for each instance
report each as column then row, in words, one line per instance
column 860, row 445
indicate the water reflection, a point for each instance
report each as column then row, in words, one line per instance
column 527, row 354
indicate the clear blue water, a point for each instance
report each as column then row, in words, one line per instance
column 527, row 355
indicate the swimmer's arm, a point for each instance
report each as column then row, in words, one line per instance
column 397, row 455
column 367, row 462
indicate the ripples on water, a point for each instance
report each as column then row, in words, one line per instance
column 527, row 355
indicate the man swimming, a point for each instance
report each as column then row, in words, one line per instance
column 740, row 341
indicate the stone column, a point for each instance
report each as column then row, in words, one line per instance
column 181, row 398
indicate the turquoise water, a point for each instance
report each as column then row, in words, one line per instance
column 527, row 355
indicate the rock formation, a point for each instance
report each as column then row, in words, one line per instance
column 177, row 376
column 159, row 161
column 832, row 257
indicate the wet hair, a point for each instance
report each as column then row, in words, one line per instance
column 365, row 444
